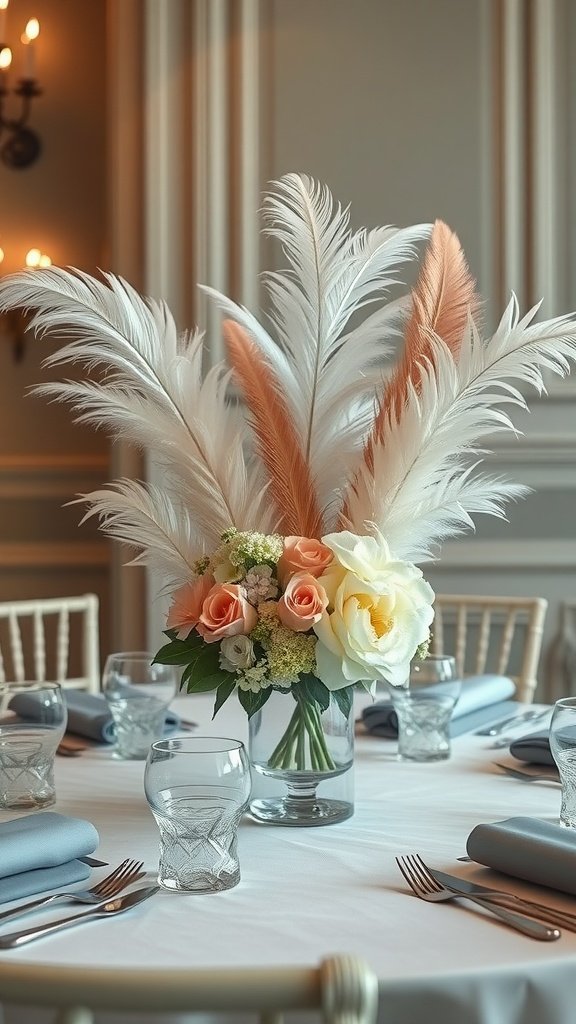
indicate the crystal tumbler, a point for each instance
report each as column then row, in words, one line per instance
column 563, row 747
column 198, row 788
column 424, row 708
column 32, row 723
column 138, row 694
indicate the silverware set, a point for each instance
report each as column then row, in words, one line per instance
column 530, row 918
column 104, row 896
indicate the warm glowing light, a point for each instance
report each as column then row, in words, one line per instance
column 32, row 30
column 5, row 58
column 45, row 261
column 33, row 257
column 3, row 4
column 2, row 250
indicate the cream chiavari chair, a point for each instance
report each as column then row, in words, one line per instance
column 343, row 989
column 36, row 638
column 502, row 635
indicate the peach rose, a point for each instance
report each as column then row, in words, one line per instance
column 302, row 603
column 225, row 612
column 187, row 605
column 303, row 554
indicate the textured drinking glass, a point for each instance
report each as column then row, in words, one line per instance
column 424, row 708
column 198, row 788
column 138, row 694
column 563, row 747
column 32, row 723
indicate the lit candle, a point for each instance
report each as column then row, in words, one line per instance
column 5, row 62
column 3, row 6
column 33, row 257
column 28, row 39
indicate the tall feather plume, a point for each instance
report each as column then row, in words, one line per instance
column 421, row 488
column 151, row 521
column 442, row 299
column 152, row 391
column 321, row 363
column 277, row 442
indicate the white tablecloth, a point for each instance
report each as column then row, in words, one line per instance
column 306, row 893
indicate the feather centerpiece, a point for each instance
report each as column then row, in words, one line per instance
column 289, row 535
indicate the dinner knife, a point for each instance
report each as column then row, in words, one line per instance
column 512, row 720
column 551, row 915
column 109, row 909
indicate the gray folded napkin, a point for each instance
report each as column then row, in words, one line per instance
column 534, row 748
column 39, row 852
column 483, row 699
column 88, row 714
column 537, row 851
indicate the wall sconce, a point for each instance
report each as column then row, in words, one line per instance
column 14, row 323
column 22, row 147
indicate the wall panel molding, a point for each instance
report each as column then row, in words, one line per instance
column 31, row 476
column 521, row 556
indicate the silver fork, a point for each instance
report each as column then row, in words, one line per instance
column 127, row 872
column 426, row 887
column 518, row 773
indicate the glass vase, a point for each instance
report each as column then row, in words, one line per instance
column 302, row 762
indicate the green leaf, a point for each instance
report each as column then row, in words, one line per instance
column 179, row 652
column 252, row 702
column 206, row 683
column 222, row 694
column 344, row 699
column 313, row 691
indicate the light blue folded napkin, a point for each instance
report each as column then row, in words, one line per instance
column 534, row 748
column 537, row 851
column 483, row 699
column 88, row 714
column 40, row 851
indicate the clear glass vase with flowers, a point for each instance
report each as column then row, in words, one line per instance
column 291, row 624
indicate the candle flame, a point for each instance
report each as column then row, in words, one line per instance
column 5, row 58
column 31, row 31
column 3, row 4
column 33, row 257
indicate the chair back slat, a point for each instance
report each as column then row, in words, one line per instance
column 62, row 643
column 492, row 634
column 16, row 648
column 483, row 641
column 44, row 639
column 39, row 647
column 340, row 990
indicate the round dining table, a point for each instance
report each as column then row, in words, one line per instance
column 306, row 893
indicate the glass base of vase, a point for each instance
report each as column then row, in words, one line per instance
column 296, row 812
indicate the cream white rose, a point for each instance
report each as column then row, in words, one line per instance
column 236, row 652
column 379, row 611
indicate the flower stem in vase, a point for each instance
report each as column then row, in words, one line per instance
column 302, row 777
column 303, row 745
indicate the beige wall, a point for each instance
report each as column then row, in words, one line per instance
column 59, row 205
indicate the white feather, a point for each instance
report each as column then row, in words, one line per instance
column 151, row 521
column 152, row 393
column 320, row 361
column 421, row 479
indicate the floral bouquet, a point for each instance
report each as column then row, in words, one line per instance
column 288, row 525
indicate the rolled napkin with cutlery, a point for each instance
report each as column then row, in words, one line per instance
column 534, row 748
column 88, row 714
column 42, row 851
column 538, row 851
column 483, row 699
